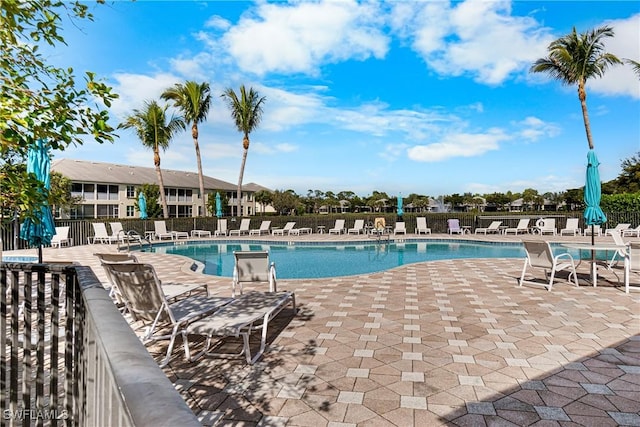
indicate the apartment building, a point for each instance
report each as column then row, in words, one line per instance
column 109, row 190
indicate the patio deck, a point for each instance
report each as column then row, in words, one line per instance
column 435, row 343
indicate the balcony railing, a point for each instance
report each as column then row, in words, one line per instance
column 68, row 357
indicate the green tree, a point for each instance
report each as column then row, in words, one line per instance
column 246, row 112
column 263, row 197
column 575, row 58
column 60, row 193
column 155, row 132
column 40, row 100
column 152, row 195
column 284, row 201
column 193, row 100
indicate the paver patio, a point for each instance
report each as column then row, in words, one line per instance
column 435, row 343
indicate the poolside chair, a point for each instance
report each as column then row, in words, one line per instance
column 618, row 229
column 61, row 238
column 634, row 264
column 453, row 226
column 571, row 227
column 540, row 255
column 546, row 226
column 264, row 229
column 379, row 226
column 620, row 253
column 358, row 227
column 161, row 231
column 301, row 230
column 252, row 267
column 221, row 230
column 338, row 227
column 100, row 234
column 494, row 227
column 247, row 313
column 421, row 226
column 112, row 257
column 285, row 230
column 400, row 228
column 144, row 298
column 522, row 227
column 597, row 230
column 244, row 228
column 629, row 232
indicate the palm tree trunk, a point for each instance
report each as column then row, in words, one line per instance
column 582, row 94
column 194, row 133
column 239, row 193
column 163, row 199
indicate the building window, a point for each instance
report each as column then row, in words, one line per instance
column 107, row 211
column 131, row 192
column 81, row 212
column 130, row 211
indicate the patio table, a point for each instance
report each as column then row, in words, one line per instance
column 623, row 249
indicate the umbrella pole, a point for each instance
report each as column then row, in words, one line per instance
column 594, row 268
column 39, row 254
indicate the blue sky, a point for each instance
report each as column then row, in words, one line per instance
column 433, row 98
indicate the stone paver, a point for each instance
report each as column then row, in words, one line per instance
column 452, row 342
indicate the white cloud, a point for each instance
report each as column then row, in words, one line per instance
column 532, row 129
column 135, row 89
column 621, row 80
column 458, row 145
column 300, row 36
column 479, row 38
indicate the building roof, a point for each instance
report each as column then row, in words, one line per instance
column 110, row 173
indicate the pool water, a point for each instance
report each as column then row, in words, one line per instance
column 314, row 260
column 307, row 260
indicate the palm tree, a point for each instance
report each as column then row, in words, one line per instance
column 575, row 58
column 635, row 65
column 246, row 112
column 151, row 126
column 193, row 101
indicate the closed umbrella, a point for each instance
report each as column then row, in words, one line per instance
column 39, row 228
column 218, row 205
column 593, row 214
column 142, row 205
column 400, row 211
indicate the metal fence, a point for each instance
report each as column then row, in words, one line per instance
column 81, row 230
column 68, row 357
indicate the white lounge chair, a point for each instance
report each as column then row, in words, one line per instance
column 253, row 267
column 494, row 227
column 247, row 313
column 540, row 255
column 400, row 228
column 358, row 227
column 619, row 254
column 634, row 265
column 453, row 226
column 144, row 298
column 264, row 229
column 285, row 230
column 221, row 230
column 571, row 227
column 100, row 234
column 618, row 229
column 244, row 228
column 522, row 227
column 546, row 226
column 597, row 230
column 61, row 238
column 161, row 231
column 421, row 226
column 629, row 232
column 338, row 227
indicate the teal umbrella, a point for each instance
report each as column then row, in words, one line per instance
column 142, row 205
column 593, row 215
column 40, row 228
column 218, row 205
column 400, row 211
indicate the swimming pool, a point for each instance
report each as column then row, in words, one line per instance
column 313, row 260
